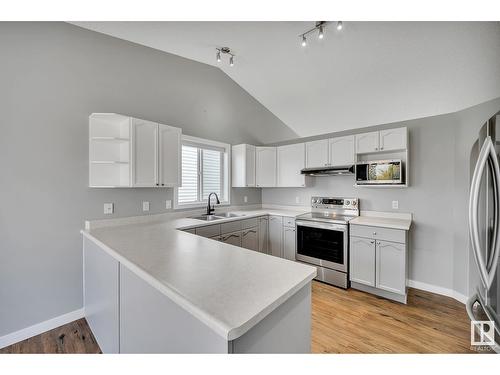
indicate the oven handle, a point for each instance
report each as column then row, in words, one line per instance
column 320, row 225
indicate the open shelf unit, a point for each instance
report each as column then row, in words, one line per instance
column 109, row 150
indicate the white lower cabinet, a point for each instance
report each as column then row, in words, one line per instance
column 289, row 243
column 390, row 266
column 362, row 260
column 232, row 238
column 276, row 236
column 378, row 261
column 250, row 238
column 264, row 234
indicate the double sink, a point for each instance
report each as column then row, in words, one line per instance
column 226, row 215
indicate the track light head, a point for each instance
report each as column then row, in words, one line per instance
column 321, row 35
column 340, row 26
column 304, row 41
column 218, row 56
column 231, row 61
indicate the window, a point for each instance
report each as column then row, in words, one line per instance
column 205, row 169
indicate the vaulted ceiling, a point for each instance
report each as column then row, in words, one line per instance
column 369, row 73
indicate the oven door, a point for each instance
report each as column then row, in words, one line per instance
column 322, row 244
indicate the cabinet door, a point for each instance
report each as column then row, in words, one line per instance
column 342, row 151
column 289, row 241
column 393, row 139
column 169, row 155
column 362, row 260
column 264, row 235
column 275, row 236
column 367, row 142
column 144, row 153
column 317, row 154
column 391, row 266
column 243, row 165
column 250, row 239
column 265, row 166
column 250, row 166
column 232, row 238
column 291, row 160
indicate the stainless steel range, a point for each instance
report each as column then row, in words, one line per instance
column 323, row 237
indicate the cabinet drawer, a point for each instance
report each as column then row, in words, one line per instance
column 249, row 223
column 208, row 231
column 387, row 234
column 232, row 226
column 289, row 221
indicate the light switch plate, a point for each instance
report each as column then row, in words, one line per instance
column 168, row 204
column 108, row 208
column 245, row 199
column 395, row 205
column 145, row 206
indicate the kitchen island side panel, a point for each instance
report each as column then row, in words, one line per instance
column 101, row 296
column 150, row 322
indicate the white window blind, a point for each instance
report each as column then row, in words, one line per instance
column 203, row 172
column 188, row 193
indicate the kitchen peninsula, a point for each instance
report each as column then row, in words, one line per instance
column 152, row 287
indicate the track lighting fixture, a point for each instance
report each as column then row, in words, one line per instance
column 320, row 27
column 225, row 51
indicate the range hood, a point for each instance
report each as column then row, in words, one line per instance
column 328, row 171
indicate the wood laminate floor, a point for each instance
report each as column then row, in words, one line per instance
column 343, row 321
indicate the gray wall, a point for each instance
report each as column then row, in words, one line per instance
column 53, row 75
column 438, row 194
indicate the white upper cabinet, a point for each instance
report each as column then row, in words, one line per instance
column 265, row 166
column 243, row 165
column 291, row 160
column 317, row 154
column 342, row 151
column 130, row 152
column 367, row 142
column 169, row 156
column 144, row 153
column 393, row 139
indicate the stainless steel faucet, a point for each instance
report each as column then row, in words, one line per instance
column 210, row 210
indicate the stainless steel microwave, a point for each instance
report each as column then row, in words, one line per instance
column 380, row 172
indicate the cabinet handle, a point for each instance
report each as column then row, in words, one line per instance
column 374, row 233
column 381, row 148
column 376, row 148
column 162, row 184
column 157, row 184
column 372, row 242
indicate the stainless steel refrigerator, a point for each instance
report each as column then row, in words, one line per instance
column 484, row 229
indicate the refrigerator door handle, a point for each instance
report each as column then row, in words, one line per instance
column 469, row 306
column 487, row 268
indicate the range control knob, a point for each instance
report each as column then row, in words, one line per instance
column 347, row 202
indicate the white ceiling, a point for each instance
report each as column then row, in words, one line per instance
column 368, row 74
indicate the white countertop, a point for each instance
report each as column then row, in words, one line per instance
column 386, row 221
column 228, row 288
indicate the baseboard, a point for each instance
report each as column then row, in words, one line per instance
column 438, row 290
column 39, row 328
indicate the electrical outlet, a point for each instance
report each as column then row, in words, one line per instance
column 145, row 206
column 297, row 199
column 245, row 199
column 108, row 208
column 168, row 204
column 395, row 205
